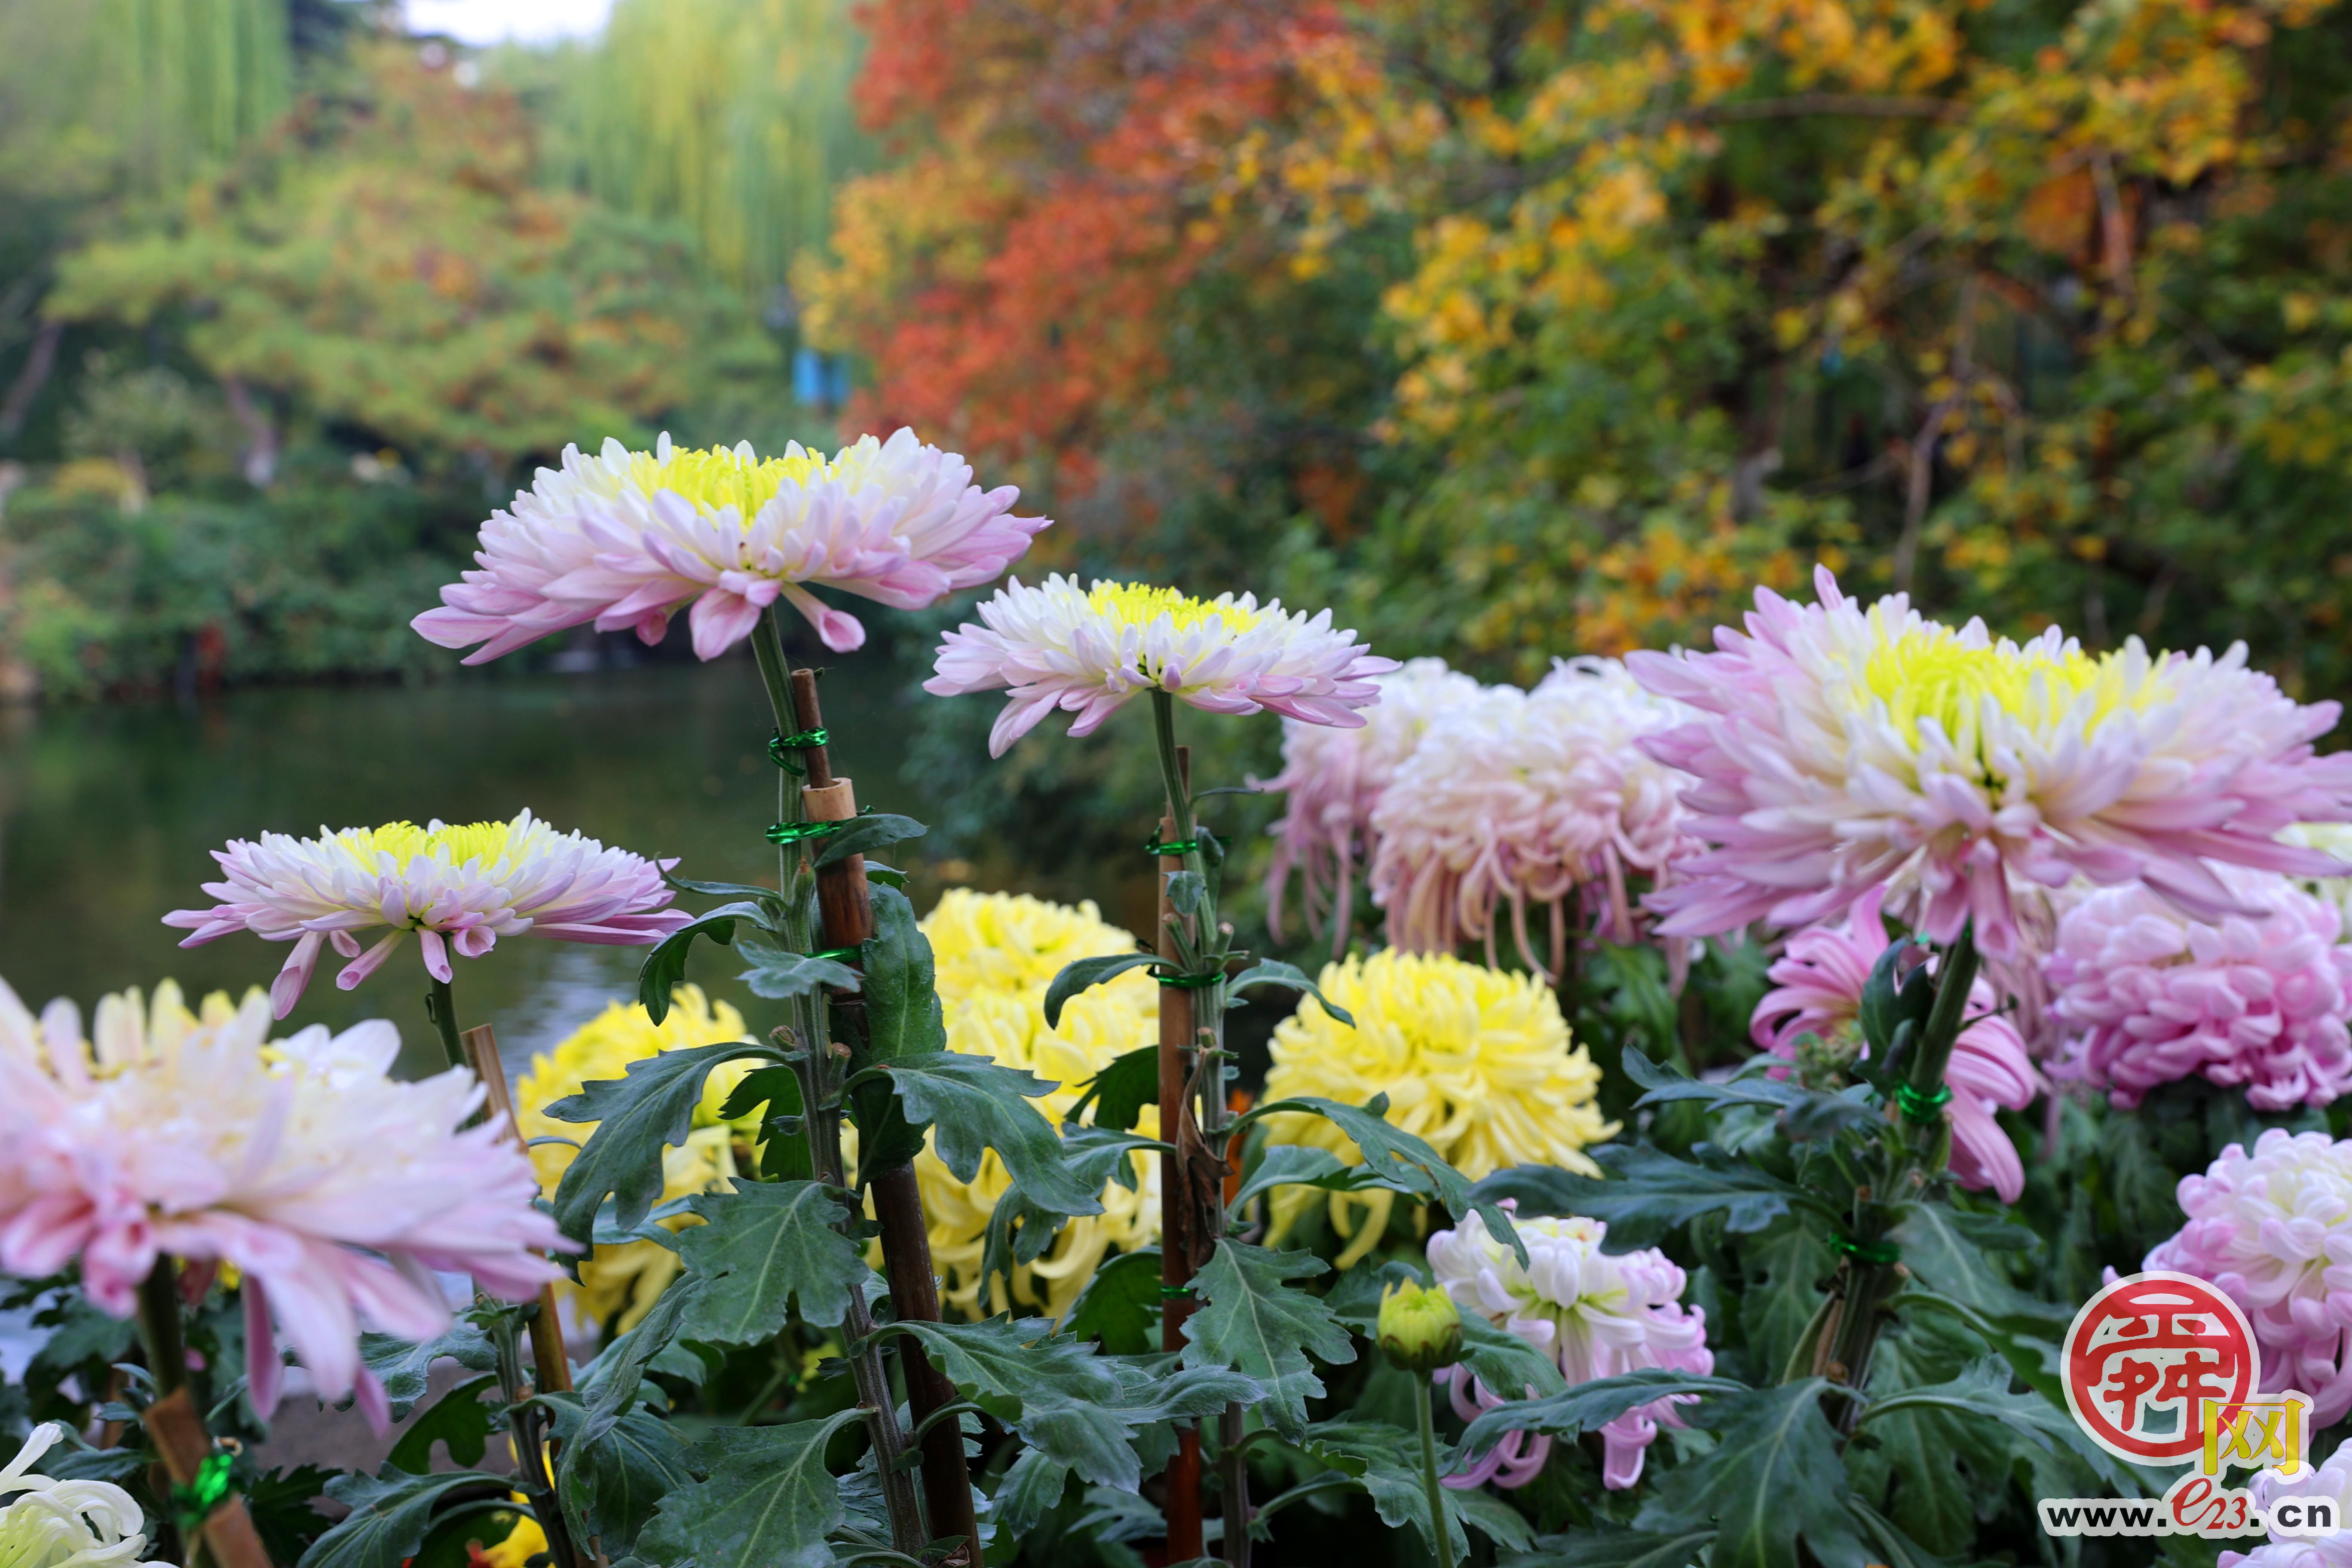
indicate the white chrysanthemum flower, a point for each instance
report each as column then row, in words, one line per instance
column 333, row 1187
column 462, row 887
column 1599, row 1314
column 1523, row 797
column 46, row 1524
column 1086, row 651
column 1334, row 778
column 625, row 538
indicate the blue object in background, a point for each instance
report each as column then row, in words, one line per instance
column 819, row 380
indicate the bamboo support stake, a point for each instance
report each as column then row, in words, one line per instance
column 550, row 1367
column 177, row 1427
column 846, row 915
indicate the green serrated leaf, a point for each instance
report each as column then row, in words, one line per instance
column 866, row 834
column 1066, row 1401
column 1802, row 1112
column 609, row 1483
column 403, row 1365
column 636, row 1118
column 390, row 1514
column 1773, row 1479
column 1401, row 1161
column 781, row 974
column 1981, row 1394
column 1086, row 973
column 1648, row 1191
column 1032, row 1488
column 280, row 1504
column 1885, row 1008
column 1019, row 1231
column 1304, row 1165
column 1119, row 1093
column 612, row 1383
column 769, row 1501
column 1944, row 1260
column 664, row 970
column 1385, row 1461
column 783, row 1147
column 459, row 1418
column 1250, row 1320
column 1588, row 1406
column 1783, row 1267
column 977, row 1105
column 1120, row 1305
column 902, row 1002
column 1614, row 1548
column 1290, row 977
column 761, row 1247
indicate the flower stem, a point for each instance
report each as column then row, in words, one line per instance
column 821, row 1080
column 159, row 1325
column 1916, row 1151
column 1441, row 1544
column 441, row 1006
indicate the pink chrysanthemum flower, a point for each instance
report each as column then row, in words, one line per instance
column 2273, row 1231
column 2149, row 994
column 461, row 888
column 1334, row 777
column 334, row 1188
column 1817, row 991
column 2330, row 1482
column 626, row 538
column 1600, row 1314
column 1839, row 748
column 1520, row 797
column 1086, row 651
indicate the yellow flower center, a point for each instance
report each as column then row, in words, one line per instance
column 488, row 842
column 1140, row 604
column 1929, row 674
column 712, row 478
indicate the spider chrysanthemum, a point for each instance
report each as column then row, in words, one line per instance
column 1087, row 650
column 1475, row 1061
column 625, row 539
column 458, row 888
column 1838, row 748
column 334, row 1188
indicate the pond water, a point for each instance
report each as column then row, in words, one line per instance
column 108, row 815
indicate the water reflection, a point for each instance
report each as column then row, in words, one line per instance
column 108, row 815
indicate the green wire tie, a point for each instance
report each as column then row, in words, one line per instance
column 1175, row 1293
column 1190, row 982
column 1922, row 1110
column 838, row 954
column 194, row 1502
column 798, row 740
column 1173, row 846
column 1879, row 1252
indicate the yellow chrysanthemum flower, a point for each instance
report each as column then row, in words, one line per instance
column 1475, row 1062
column 996, row 953
column 625, row 1279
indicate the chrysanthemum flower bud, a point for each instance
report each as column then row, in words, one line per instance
column 1421, row 1328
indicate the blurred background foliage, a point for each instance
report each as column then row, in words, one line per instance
column 1512, row 328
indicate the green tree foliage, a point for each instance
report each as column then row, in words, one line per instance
column 386, row 261
column 731, row 117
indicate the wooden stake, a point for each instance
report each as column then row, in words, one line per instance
column 550, row 1367
column 845, row 903
column 181, row 1438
